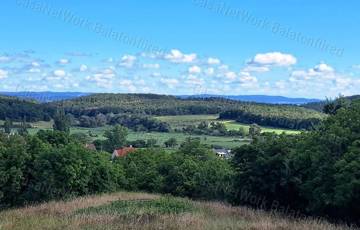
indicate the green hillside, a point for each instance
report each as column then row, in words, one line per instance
column 285, row 116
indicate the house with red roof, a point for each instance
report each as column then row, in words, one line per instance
column 122, row 152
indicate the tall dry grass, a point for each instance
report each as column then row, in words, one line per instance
column 210, row 215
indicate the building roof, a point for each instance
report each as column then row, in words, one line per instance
column 123, row 151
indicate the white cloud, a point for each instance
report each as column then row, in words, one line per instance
column 247, row 78
column 59, row 86
column 170, row 82
column 259, row 69
column 63, row 61
column 210, row 71
column 83, row 68
column 35, row 64
column 176, row 56
column 343, row 83
column 129, row 85
column 156, row 74
column 4, row 59
column 213, row 61
column 281, row 84
column 128, row 61
column 223, row 68
column 274, row 59
column 194, row 69
column 3, row 74
column 34, row 70
column 194, row 80
column 322, row 71
column 126, row 83
column 323, row 68
column 59, row 73
column 151, row 66
column 231, row 76
column 102, row 78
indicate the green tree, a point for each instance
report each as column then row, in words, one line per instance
column 23, row 128
column 254, row 130
column 13, row 161
column 151, row 143
column 115, row 138
column 82, row 138
column 8, row 125
column 61, row 121
column 170, row 143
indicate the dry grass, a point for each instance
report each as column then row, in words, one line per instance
column 209, row 215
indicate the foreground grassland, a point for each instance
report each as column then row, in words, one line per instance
column 145, row 211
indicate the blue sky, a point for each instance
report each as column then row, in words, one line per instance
column 296, row 48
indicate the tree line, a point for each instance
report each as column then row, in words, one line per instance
column 273, row 118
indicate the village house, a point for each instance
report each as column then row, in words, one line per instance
column 122, row 152
column 223, row 153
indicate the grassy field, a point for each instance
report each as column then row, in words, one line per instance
column 176, row 122
column 227, row 142
column 97, row 133
column 179, row 122
column 125, row 210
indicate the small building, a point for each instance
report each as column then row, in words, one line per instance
column 223, row 153
column 122, row 152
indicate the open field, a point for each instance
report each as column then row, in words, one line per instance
column 176, row 122
column 227, row 142
column 179, row 122
column 125, row 210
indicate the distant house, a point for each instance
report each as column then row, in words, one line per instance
column 223, row 153
column 90, row 147
column 122, row 152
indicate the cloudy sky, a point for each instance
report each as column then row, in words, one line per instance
column 296, row 48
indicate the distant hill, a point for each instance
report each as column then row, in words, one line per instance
column 18, row 109
column 59, row 96
column 259, row 99
column 45, row 96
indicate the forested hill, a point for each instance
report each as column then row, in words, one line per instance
column 154, row 104
column 288, row 116
column 259, row 99
column 18, row 109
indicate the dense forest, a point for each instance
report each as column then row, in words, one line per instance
column 315, row 172
column 17, row 109
column 136, row 122
column 153, row 104
column 282, row 117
